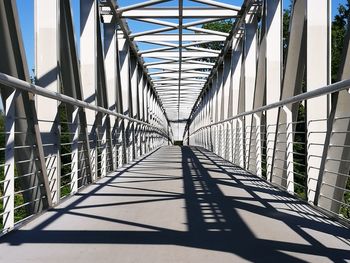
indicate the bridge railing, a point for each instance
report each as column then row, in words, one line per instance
column 87, row 151
column 284, row 152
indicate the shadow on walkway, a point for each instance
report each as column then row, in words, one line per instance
column 224, row 208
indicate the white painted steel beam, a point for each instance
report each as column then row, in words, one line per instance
column 292, row 84
column 125, row 75
column 88, row 66
column 8, row 220
column 47, row 75
column 133, row 103
column 185, row 54
column 175, row 37
column 250, row 62
column 174, row 13
column 318, row 74
column 112, row 83
column 188, row 73
column 273, row 9
column 175, row 66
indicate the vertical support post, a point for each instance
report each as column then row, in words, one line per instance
column 273, row 9
column 9, row 166
column 292, row 85
column 75, row 151
column 46, row 72
column 250, row 63
column 140, row 108
column 112, row 71
column 124, row 53
column 153, row 137
column 227, row 86
column 289, row 150
column 236, row 96
column 220, row 109
column 133, row 107
column 257, row 119
column 70, row 79
column 225, row 140
column 88, row 51
column 335, row 166
column 220, row 139
column 318, row 75
column 150, row 108
column 146, row 116
column 210, row 118
column 232, row 140
column 241, row 142
column 214, row 101
column 103, row 143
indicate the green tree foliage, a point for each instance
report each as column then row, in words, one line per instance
column 299, row 149
column 65, row 150
column 339, row 27
column 221, row 26
column 286, row 22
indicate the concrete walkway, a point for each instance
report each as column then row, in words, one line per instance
column 179, row 205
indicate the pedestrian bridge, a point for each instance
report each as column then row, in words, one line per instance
column 174, row 131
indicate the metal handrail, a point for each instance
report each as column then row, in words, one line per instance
column 336, row 87
column 16, row 83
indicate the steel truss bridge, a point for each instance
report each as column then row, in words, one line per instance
column 88, row 169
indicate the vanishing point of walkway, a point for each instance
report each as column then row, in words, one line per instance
column 179, row 204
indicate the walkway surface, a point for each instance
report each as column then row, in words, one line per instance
column 179, row 204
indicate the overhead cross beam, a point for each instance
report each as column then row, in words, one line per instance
column 181, row 59
column 188, row 13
